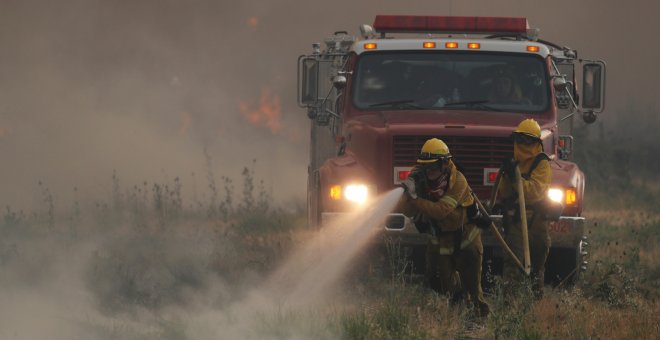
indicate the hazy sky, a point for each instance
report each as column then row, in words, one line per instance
column 141, row 87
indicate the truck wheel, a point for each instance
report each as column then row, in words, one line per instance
column 563, row 266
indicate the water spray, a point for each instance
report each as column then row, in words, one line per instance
column 307, row 276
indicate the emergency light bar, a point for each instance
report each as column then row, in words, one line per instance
column 446, row 24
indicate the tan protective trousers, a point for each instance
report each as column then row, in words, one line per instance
column 539, row 247
column 454, row 274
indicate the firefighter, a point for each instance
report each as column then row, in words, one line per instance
column 506, row 89
column 536, row 175
column 440, row 202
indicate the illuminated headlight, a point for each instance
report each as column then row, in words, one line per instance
column 556, row 194
column 568, row 196
column 357, row 193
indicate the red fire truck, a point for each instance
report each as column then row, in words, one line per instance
column 374, row 100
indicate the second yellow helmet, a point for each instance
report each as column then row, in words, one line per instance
column 529, row 127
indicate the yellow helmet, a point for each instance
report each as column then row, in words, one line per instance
column 530, row 128
column 433, row 150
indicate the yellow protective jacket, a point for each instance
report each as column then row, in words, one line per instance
column 448, row 213
column 535, row 187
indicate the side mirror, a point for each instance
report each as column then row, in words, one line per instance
column 308, row 77
column 593, row 86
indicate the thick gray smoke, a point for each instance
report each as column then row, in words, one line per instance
column 141, row 87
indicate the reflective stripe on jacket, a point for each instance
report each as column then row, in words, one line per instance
column 448, row 213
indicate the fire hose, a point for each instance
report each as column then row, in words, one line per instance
column 524, row 266
column 523, row 220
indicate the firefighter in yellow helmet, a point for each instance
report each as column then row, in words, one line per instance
column 440, row 202
column 536, row 174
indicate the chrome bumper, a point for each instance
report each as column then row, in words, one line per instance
column 397, row 226
column 566, row 233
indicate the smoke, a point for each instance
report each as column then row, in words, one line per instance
column 108, row 276
column 89, row 87
column 141, row 88
column 93, row 86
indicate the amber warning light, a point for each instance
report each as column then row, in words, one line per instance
column 474, row 46
column 571, row 196
column 335, row 192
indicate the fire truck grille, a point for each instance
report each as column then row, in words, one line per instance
column 473, row 153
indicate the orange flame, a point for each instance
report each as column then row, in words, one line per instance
column 268, row 113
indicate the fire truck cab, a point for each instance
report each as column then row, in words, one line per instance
column 374, row 100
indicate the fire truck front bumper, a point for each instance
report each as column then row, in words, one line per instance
column 568, row 232
column 397, row 226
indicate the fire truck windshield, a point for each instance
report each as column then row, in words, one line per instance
column 451, row 80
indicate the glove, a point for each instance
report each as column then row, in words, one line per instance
column 416, row 175
column 509, row 167
column 498, row 209
column 473, row 211
column 475, row 216
column 483, row 222
column 409, row 188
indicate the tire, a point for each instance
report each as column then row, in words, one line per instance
column 563, row 266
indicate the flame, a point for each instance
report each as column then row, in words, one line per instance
column 268, row 113
column 253, row 22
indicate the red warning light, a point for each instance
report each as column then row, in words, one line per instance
column 403, row 175
column 449, row 24
column 492, row 176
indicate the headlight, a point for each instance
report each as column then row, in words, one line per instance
column 357, row 193
column 556, row 195
column 564, row 196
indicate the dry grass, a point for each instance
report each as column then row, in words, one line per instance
column 617, row 298
column 146, row 267
column 570, row 315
